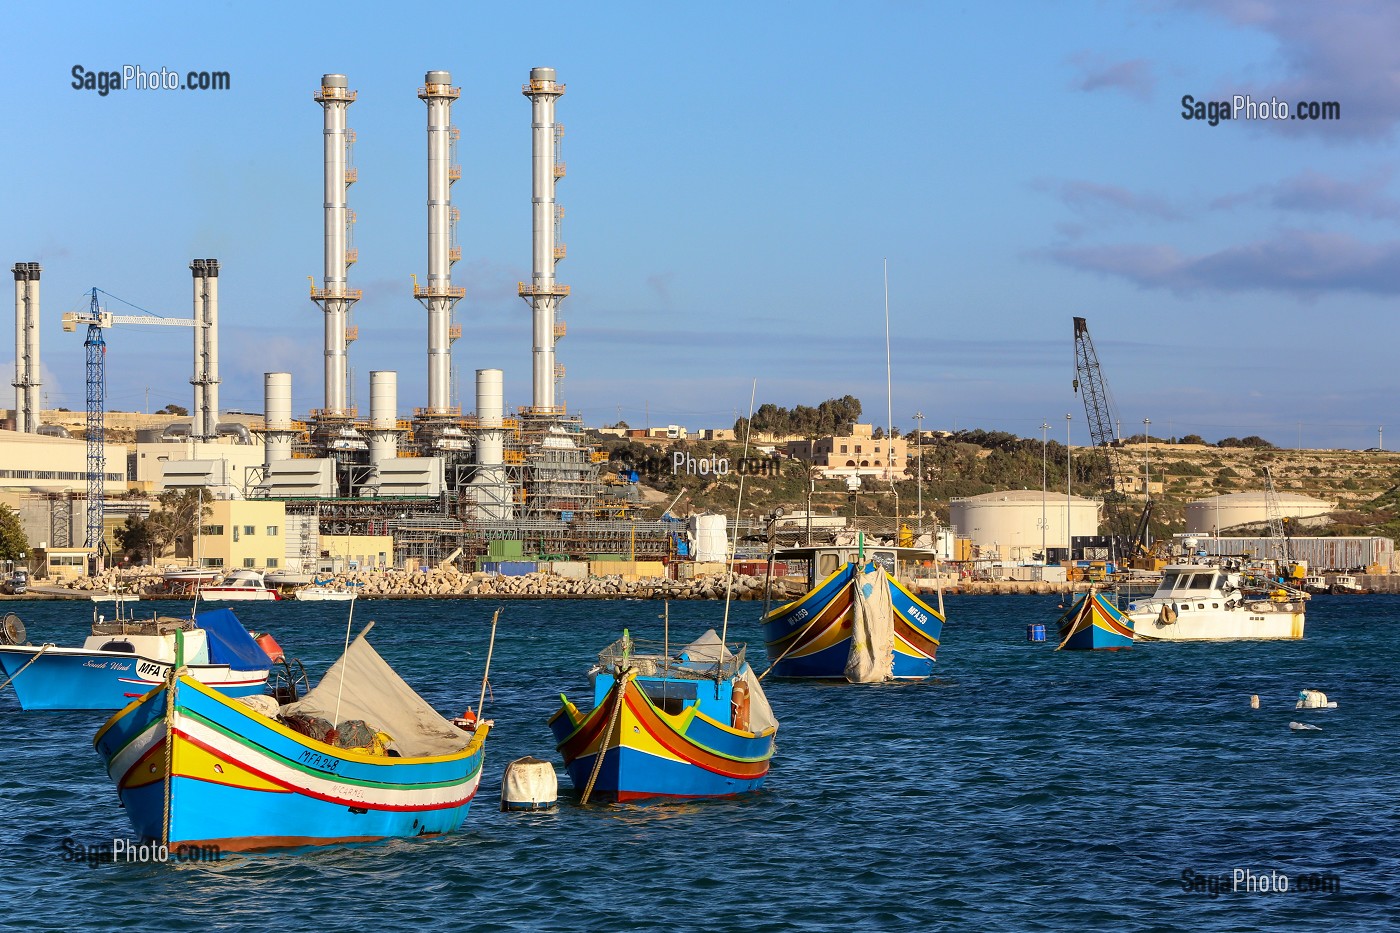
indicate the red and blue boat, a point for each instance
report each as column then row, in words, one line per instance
column 1095, row 624
column 194, row 767
column 857, row 621
column 696, row 724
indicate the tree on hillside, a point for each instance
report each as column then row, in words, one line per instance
column 830, row 417
column 178, row 518
column 173, row 409
column 135, row 538
column 12, row 540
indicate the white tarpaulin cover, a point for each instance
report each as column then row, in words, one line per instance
column 871, row 660
column 708, row 648
column 374, row 693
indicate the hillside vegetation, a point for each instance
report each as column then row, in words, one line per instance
column 1364, row 486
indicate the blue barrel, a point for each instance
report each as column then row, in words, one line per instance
column 1035, row 632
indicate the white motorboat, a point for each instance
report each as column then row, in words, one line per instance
column 1345, row 584
column 1213, row 599
column 240, row 585
column 1315, row 583
column 190, row 575
column 331, row 592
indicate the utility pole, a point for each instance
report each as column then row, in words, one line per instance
column 1069, row 481
column 919, row 439
column 1044, row 487
column 1147, row 470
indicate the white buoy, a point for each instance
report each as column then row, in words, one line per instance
column 529, row 784
column 1254, row 701
column 1314, row 699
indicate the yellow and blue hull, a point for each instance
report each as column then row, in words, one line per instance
column 649, row 753
column 1095, row 624
column 811, row 636
column 242, row 781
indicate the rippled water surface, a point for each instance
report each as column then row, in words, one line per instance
column 1020, row 789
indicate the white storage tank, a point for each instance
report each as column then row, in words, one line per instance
column 1012, row 520
column 1213, row 515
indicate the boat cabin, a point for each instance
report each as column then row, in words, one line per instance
column 674, row 683
column 824, row 560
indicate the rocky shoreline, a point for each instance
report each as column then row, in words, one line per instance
column 451, row 584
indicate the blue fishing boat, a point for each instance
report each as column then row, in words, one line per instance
column 696, row 724
column 126, row 658
column 1095, row 624
column 857, row 621
column 359, row 758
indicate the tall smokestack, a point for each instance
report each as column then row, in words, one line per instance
column 439, row 296
column 543, row 293
column 27, row 400
column 205, row 273
column 197, row 380
column 335, row 298
column 383, row 415
column 279, row 432
column 209, row 429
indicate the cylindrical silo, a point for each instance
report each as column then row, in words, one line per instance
column 383, row 415
column 277, row 413
column 490, row 408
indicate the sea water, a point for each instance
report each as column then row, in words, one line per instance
column 1020, row 788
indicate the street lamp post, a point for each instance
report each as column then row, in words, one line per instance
column 1147, row 471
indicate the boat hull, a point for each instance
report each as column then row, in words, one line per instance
column 242, row 781
column 1095, row 624
column 214, row 594
column 811, row 637
column 652, row 754
column 79, row 679
column 1220, row 625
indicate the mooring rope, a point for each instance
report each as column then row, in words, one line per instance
column 27, row 663
column 607, row 737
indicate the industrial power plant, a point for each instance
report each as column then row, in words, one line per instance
column 439, row 485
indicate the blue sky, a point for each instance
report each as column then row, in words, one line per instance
column 736, row 175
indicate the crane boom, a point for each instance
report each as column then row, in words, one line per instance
column 97, row 319
column 1089, row 380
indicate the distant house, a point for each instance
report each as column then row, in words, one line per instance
column 671, row 432
column 856, row 453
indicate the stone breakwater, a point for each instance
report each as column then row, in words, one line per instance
column 404, row 584
column 446, row 584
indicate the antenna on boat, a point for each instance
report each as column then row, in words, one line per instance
column 734, row 538
column 198, row 552
column 340, row 687
column 481, row 704
column 889, row 406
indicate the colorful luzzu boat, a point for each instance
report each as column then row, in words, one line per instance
column 1095, row 624
column 242, row 780
column 125, row 658
column 694, row 725
column 857, row 622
